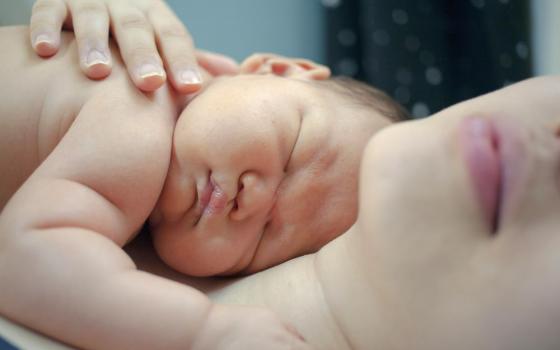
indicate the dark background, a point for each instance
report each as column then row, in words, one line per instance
column 429, row 54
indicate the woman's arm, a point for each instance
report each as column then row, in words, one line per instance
column 153, row 42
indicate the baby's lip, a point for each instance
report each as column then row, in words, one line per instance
column 212, row 200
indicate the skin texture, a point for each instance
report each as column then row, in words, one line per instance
column 84, row 164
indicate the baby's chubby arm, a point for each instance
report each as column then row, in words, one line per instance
column 62, row 268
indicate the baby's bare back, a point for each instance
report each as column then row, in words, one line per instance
column 40, row 99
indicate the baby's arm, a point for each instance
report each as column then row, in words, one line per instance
column 63, row 272
column 62, row 268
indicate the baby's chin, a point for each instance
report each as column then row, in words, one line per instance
column 198, row 252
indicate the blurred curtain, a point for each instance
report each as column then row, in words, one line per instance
column 429, row 54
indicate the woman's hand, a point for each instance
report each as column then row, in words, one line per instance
column 149, row 35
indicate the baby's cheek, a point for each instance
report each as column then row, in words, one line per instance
column 204, row 251
column 333, row 209
column 184, row 251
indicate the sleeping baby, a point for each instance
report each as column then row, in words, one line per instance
column 257, row 169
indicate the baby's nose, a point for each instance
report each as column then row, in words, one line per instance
column 255, row 197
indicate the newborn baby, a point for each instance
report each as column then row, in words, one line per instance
column 259, row 168
column 265, row 167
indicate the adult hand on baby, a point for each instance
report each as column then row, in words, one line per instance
column 140, row 27
column 246, row 328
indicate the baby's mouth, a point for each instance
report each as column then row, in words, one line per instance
column 212, row 200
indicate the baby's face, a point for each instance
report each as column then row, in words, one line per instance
column 264, row 169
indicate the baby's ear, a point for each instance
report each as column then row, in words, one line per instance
column 299, row 68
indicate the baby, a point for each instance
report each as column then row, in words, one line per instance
column 265, row 167
column 259, row 168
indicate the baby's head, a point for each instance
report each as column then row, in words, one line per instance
column 265, row 167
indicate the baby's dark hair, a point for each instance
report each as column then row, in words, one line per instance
column 367, row 96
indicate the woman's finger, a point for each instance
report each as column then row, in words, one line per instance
column 177, row 49
column 91, row 27
column 137, row 45
column 216, row 64
column 47, row 17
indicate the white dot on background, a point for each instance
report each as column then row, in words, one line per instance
column 412, row 43
column 433, row 75
column 522, row 50
column 381, row 37
column 346, row 37
column 402, row 94
column 400, row 16
column 331, row 3
column 347, row 66
column 420, row 109
column 505, row 60
column 478, row 3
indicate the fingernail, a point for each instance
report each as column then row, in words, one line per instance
column 43, row 39
column 147, row 70
column 189, row 77
column 96, row 56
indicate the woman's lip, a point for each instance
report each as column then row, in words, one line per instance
column 481, row 148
